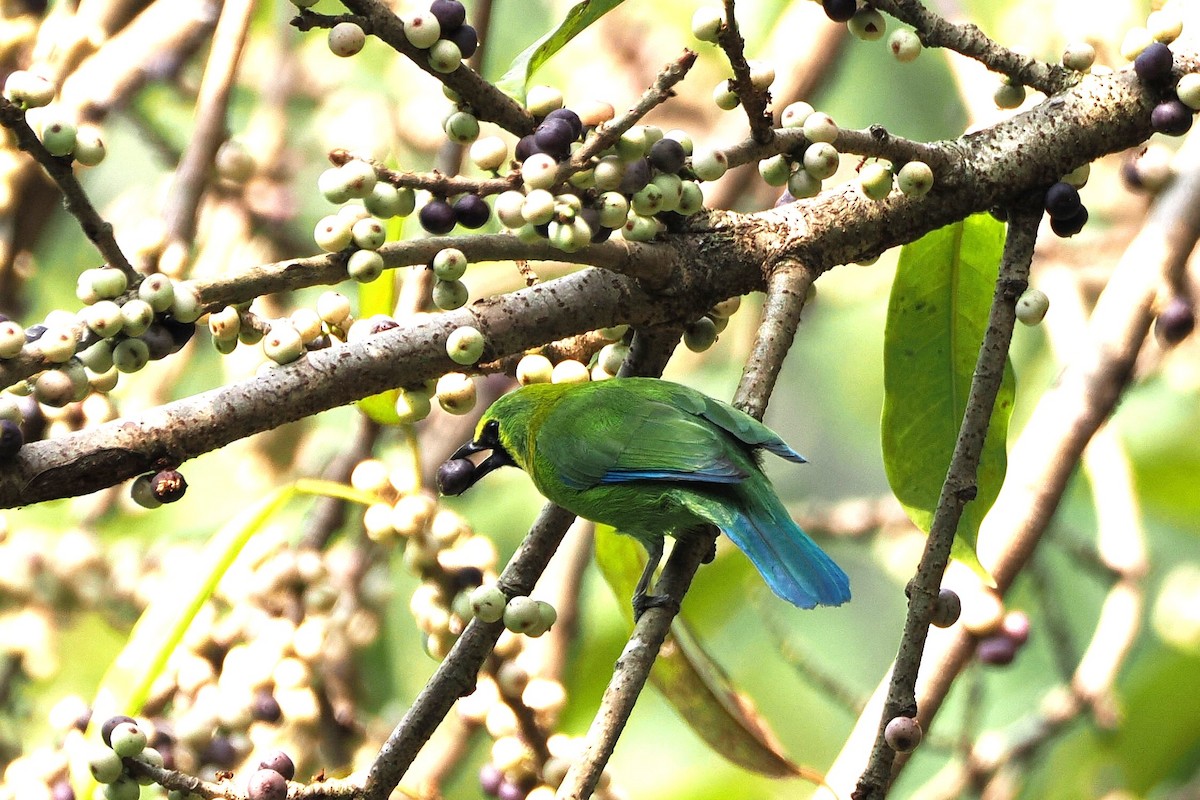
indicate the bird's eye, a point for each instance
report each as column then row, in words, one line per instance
column 491, row 430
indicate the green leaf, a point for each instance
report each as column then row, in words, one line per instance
column 581, row 15
column 691, row 681
column 379, row 297
column 937, row 316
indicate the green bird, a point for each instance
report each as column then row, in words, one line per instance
column 652, row 458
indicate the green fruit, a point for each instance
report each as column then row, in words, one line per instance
column 489, row 153
column 905, row 45
column 233, row 161
column 647, row 201
column 1079, row 56
column 534, row 368
column 875, row 180
column 541, row 100
column 12, row 339
column 386, row 201
column 444, row 56
column 142, row 492
column 538, row 207
column 449, row 295
column 539, row 171
column 89, row 146
column 700, row 335
column 158, row 291
column 225, row 324
column 412, row 406
column 1032, row 306
column 521, row 614
column 449, row 264
column 820, row 127
column 104, row 318
column 333, row 233
column 821, row 160
column 795, row 114
column 488, row 603
column 463, row 128
column 131, row 355
column 127, row 740
column 915, row 179
column 508, row 209
column 1188, row 90
column 465, row 345
column 422, row 29
column 456, row 393
column 359, row 176
column 802, row 185
column 283, row 343
column 724, row 96
column 369, row 233
column 108, row 282
column 708, row 164
column 333, row 186
column 56, row 345
column 364, row 266
column 775, row 170
column 58, row 135
column 1009, row 95
column 105, row 765
column 346, row 39
column 185, row 306
column 138, row 315
column 691, row 199
column 867, row 24
column 707, row 23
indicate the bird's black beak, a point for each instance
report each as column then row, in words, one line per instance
column 458, row 474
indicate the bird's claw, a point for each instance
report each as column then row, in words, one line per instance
column 643, row 602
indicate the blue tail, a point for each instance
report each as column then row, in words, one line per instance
column 790, row 562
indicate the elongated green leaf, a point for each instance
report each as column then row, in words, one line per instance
column 692, row 682
column 581, row 15
column 937, row 316
column 379, row 297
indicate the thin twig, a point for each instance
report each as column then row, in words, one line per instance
column 958, row 489
column 752, row 99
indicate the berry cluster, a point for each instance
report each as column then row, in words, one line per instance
column 58, row 131
column 1065, row 208
column 444, row 32
column 868, row 24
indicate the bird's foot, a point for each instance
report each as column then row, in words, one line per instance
column 643, row 602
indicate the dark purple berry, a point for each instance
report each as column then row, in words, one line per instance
column 554, row 136
column 1067, row 227
column 437, row 217
column 466, row 578
column 280, row 762
column 455, row 476
column 472, row 211
column 159, row 340
column 265, row 708
column 839, row 10
column 947, row 608
column 266, row 784
column 526, row 146
column 381, row 323
column 490, row 779
column 467, row 39
column 450, row 14
column 601, row 234
column 34, row 332
column 570, row 117
column 11, row 439
column 997, row 651
column 1062, row 200
column 543, row 230
column 667, row 155
column 1171, row 117
column 106, row 728
column 1175, row 322
column 637, row 175
column 181, row 332
column 1153, row 65
column 1130, row 175
column 168, row 485
column 220, row 752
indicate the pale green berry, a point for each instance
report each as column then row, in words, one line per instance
column 541, row 100
column 56, row 387
column 138, row 315
column 709, row 164
column 422, row 29
column 726, row 308
column 333, row 308
column 775, row 170
column 521, row 614
column 632, row 144
column 1079, row 56
column 538, row 207
column 570, row 371
column 412, row 405
column 12, row 339
column 639, row 228
column 158, row 290
column 333, row 233
column 386, row 201
column 89, row 146
column 539, row 171
column 456, row 393
column 449, row 295
column 567, row 204
column 225, row 346
column 307, row 323
column 352, row 213
column 104, row 764
column 762, row 75
column 508, row 209
column 449, row 264
column 612, row 356
column 465, row 345
column 1165, row 25
column 821, row 160
column 671, row 187
column 249, row 334
column 359, row 176
column 333, row 186
column 528, row 234
column 683, row 137
column 233, row 161
column 84, row 291
column 647, row 201
column 58, row 134
column 104, row 318
column 905, row 45
column 867, row 24
column 820, row 127
column 489, row 153
column 700, row 335
column 130, row 355
column 98, row 357
column 1032, row 306
column 915, row 179
column 613, row 208
column 56, row 345
column 28, row 89
column 124, row 788
column 9, row 409
column 724, row 96
column 547, row 616
column 794, row 114
column 185, row 305
column 1188, row 90
column 369, row 233
column 463, row 128
column 534, row 368
column 283, row 344
column 364, row 266
column 875, row 180
column 127, row 739
column 151, row 757
column 488, row 602
column 563, row 236
column 802, row 185
column 707, row 23
column 108, row 282
column 608, row 172
column 102, row 382
column 346, row 39
column 1009, row 95
column 225, row 324
column 691, row 199
column 444, row 56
